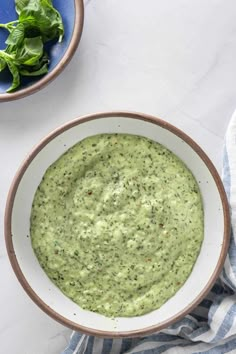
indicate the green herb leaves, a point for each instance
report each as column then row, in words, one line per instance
column 21, row 4
column 38, row 23
column 41, row 16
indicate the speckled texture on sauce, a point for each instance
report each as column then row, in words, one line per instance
column 117, row 224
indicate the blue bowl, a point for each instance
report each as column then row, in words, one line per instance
column 72, row 12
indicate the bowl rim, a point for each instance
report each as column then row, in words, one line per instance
column 10, row 202
column 46, row 79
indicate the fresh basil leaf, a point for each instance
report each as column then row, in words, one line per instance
column 42, row 15
column 2, row 64
column 43, row 70
column 57, row 18
column 20, row 5
column 30, row 52
column 16, row 37
column 39, row 68
column 15, row 75
column 7, row 56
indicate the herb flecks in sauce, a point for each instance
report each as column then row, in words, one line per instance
column 117, row 224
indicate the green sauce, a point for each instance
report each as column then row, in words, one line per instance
column 117, row 224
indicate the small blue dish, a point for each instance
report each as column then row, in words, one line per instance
column 72, row 12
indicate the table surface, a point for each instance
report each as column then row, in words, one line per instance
column 172, row 59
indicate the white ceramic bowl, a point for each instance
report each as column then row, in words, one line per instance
column 17, row 221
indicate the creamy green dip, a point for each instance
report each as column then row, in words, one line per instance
column 117, row 224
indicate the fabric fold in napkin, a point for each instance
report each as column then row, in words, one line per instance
column 211, row 327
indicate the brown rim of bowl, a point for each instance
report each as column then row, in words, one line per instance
column 10, row 247
column 45, row 80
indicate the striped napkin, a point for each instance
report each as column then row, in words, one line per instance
column 211, row 327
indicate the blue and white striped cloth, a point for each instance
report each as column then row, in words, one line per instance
column 211, row 327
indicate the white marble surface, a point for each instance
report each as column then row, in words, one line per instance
column 172, row 58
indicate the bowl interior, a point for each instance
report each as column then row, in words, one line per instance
column 49, row 294
column 55, row 50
